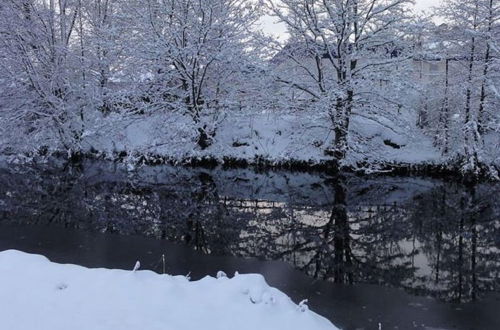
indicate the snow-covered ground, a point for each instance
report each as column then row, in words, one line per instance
column 38, row 294
column 275, row 137
column 272, row 136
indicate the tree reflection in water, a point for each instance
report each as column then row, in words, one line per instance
column 426, row 236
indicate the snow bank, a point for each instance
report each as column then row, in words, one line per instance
column 38, row 294
column 272, row 136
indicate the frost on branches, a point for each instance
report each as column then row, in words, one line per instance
column 366, row 82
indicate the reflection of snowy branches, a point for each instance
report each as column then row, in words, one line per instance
column 425, row 236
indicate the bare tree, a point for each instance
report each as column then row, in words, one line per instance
column 343, row 50
column 199, row 50
column 470, row 36
column 36, row 38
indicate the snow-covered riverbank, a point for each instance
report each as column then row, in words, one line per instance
column 270, row 136
column 38, row 294
column 264, row 140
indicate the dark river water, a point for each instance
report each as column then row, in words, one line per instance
column 394, row 252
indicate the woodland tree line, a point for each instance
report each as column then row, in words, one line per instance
column 66, row 63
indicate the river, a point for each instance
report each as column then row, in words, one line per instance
column 402, row 252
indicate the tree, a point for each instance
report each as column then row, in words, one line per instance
column 343, row 52
column 102, row 47
column 470, row 38
column 197, row 51
column 38, row 66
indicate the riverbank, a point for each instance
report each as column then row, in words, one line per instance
column 261, row 141
column 43, row 295
column 347, row 306
column 451, row 170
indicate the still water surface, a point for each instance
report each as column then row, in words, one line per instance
column 403, row 252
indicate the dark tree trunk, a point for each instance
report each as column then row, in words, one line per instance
column 341, row 127
column 473, row 260
column 342, row 269
column 204, row 138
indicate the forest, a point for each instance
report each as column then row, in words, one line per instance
column 360, row 84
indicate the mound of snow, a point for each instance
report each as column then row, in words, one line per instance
column 38, row 294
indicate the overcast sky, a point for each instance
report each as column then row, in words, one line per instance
column 271, row 27
column 425, row 4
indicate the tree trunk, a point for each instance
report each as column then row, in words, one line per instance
column 341, row 127
column 342, row 268
column 470, row 129
column 482, row 98
column 204, row 139
column 445, row 108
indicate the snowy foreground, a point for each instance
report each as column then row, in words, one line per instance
column 38, row 294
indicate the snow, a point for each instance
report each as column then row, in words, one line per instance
column 278, row 102
column 275, row 137
column 39, row 294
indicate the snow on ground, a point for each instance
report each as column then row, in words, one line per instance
column 38, row 294
column 273, row 136
column 276, row 137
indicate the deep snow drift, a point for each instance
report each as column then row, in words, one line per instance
column 38, row 294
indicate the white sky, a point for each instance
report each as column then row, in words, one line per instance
column 426, row 4
column 269, row 25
